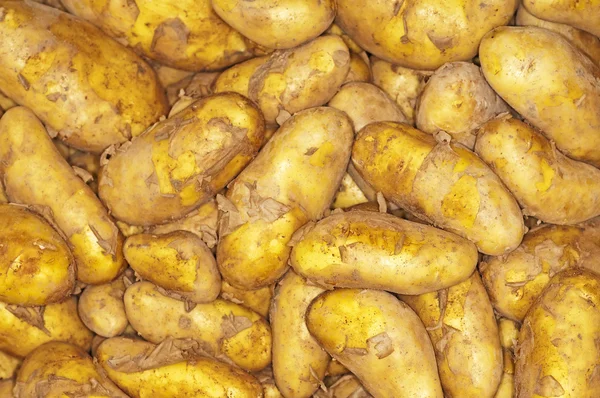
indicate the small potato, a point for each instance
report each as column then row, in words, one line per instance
column 23, row 329
column 360, row 71
column 509, row 333
column 101, row 309
column 258, row 300
column 172, row 369
column 444, row 184
column 550, row 83
column 542, row 179
column 345, row 387
column 34, row 173
column 349, row 194
column 183, row 161
column 558, row 353
column 8, row 366
column 178, row 262
column 582, row 15
column 362, row 249
column 464, row 333
column 292, row 180
column 224, row 330
column 36, row 265
column 373, row 335
column 457, row 100
column 237, row 77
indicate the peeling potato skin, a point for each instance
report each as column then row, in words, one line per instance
column 346, row 387
column 509, row 333
column 351, row 318
column 542, row 179
column 179, row 262
column 464, row 333
column 444, row 184
column 237, row 77
column 77, row 80
column 258, row 300
column 244, row 341
column 101, row 309
column 36, row 265
column 8, row 367
column 422, row 34
column 558, row 353
column 28, row 161
column 69, row 372
column 352, row 46
column 89, row 167
column 582, row 15
column 183, row 161
column 336, row 369
column 516, row 62
column 293, row 180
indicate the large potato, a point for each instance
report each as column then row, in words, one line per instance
column 224, row 330
column 101, row 308
column 292, row 180
column 172, row 369
column 36, row 265
column 542, row 179
column 374, row 335
column 258, row 300
column 442, row 183
column 183, row 161
column 8, row 366
column 83, row 85
column 34, row 173
column 550, row 83
column 509, row 333
column 558, row 353
column 462, row 327
column 583, row 15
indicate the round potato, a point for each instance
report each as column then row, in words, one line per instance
column 258, row 300
column 101, row 309
column 360, row 71
column 582, row 15
column 509, row 333
column 8, row 366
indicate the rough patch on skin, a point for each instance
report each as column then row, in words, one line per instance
column 233, row 324
column 442, row 43
column 133, row 8
column 83, row 174
column 299, row 235
column 31, row 315
column 381, row 344
column 171, row 27
column 230, row 218
column 548, row 386
column 53, row 383
column 355, row 351
column 108, row 244
column 341, row 58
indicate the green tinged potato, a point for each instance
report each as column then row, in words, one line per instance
column 101, row 308
column 583, row 15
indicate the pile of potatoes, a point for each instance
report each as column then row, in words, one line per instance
column 300, row 198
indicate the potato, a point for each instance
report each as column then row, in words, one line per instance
column 168, row 76
column 52, row 3
column 517, row 61
column 172, row 369
column 373, row 335
column 237, row 77
column 83, row 85
column 336, row 369
column 36, row 265
column 87, row 166
column 464, row 333
column 266, row 379
column 178, row 262
column 360, row 71
column 8, row 366
column 224, row 330
column 582, row 15
column 352, row 46
column 6, row 103
column 349, row 194
column 23, row 329
column 183, row 161
column 101, row 309
column 58, row 369
column 442, row 183
column 457, row 100
column 6, row 388
column 542, row 179
column 34, row 173
column 558, row 353
column 345, row 387
column 422, row 34
column 292, row 180
column 300, row 78
column 515, row 281
column 509, row 332
column 258, row 300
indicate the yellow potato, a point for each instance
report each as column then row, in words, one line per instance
column 444, row 184
column 258, row 300
column 52, row 3
column 172, row 369
column 509, row 333
column 349, row 194
column 101, row 309
column 169, row 76
column 265, row 377
column 558, row 353
column 8, row 366
column 374, row 335
column 83, row 85
column 6, row 388
column 178, row 262
column 224, row 330
column 336, row 369
column 345, row 387
column 183, row 161
column 550, row 83
column 6, row 103
column 237, row 77
column 292, row 180
column 582, row 15
column 360, row 71
column 34, row 173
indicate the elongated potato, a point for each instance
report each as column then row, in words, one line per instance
column 558, row 353
column 258, row 300
column 172, row 369
column 8, row 366
column 462, row 327
column 237, row 77
column 517, row 61
column 34, row 173
column 542, row 179
column 373, row 334
column 444, row 184
column 360, row 71
column 101, row 309
column 582, row 15
column 509, row 333
column 292, row 180
column 183, row 161
column 225, row 330
column 178, row 262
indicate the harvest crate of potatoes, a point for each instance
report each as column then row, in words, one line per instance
column 299, row 199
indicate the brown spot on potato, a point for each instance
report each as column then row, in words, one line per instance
column 548, row 386
column 184, row 322
column 442, row 43
column 24, row 82
column 382, row 344
column 341, row 58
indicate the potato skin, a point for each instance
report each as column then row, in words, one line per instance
column 582, row 15
column 558, row 353
column 258, row 300
column 542, row 179
column 349, row 194
column 444, row 184
column 28, row 161
column 360, row 71
column 237, row 77
column 516, row 61
column 36, row 265
column 292, row 180
column 371, row 332
column 83, row 85
column 101, row 309
column 183, row 161
column 509, row 333
column 225, row 330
